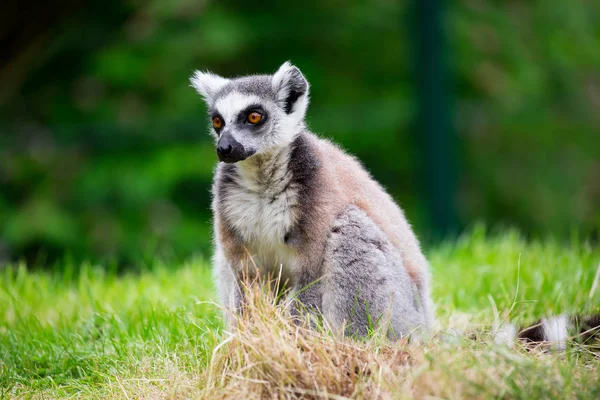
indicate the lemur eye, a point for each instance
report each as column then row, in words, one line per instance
column 217, row 122
column 254, row 118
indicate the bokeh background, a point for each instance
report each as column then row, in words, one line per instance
column 481, row 110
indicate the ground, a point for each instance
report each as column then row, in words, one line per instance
column 157, row 334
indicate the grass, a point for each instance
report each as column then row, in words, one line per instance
column 86, row 333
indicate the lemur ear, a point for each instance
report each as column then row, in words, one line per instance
column 291, row 89
column 207, row 84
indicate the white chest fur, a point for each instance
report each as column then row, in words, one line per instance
column 262, row 208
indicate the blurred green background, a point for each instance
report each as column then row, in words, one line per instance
column 103, row 146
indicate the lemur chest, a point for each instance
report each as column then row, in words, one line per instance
column 262, row 215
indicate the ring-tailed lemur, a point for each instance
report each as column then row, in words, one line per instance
column 291, row 200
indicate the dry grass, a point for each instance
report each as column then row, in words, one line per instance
column 269, row 356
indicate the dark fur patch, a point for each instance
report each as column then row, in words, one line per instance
column 587, row 328
column 304, row 166
column 226, row 179
column 291, row 99
column 533, row 334
column 297, row 87
column 292, row 237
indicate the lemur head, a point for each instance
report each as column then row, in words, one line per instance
column 254, row 114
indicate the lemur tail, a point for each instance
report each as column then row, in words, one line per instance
column 554, row 332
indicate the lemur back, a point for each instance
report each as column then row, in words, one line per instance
column 290, row 200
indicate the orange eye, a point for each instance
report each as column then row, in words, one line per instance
column 217, row 122
column 254, row 118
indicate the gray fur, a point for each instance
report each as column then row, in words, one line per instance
column 255, row 84
column 302, row 206
column 365, row 282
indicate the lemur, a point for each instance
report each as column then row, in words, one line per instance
column 297, row 203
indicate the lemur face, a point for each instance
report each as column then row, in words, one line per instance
column 254, row 114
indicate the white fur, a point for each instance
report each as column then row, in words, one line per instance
column 230, row 105
column 506, row 335
column 208, row 84
column 225, row 281
column 261, row 212
column 281, row 73
column 556, row 331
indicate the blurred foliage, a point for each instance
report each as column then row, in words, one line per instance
column 103, row 150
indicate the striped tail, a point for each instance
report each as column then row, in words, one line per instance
column 555, row 332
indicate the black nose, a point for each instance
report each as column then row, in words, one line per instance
column 224, row 150
column 230, row 150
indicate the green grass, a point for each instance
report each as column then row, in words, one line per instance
column 77, row 334
column 153, row 334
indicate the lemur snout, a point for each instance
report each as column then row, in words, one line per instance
column 230, row 150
